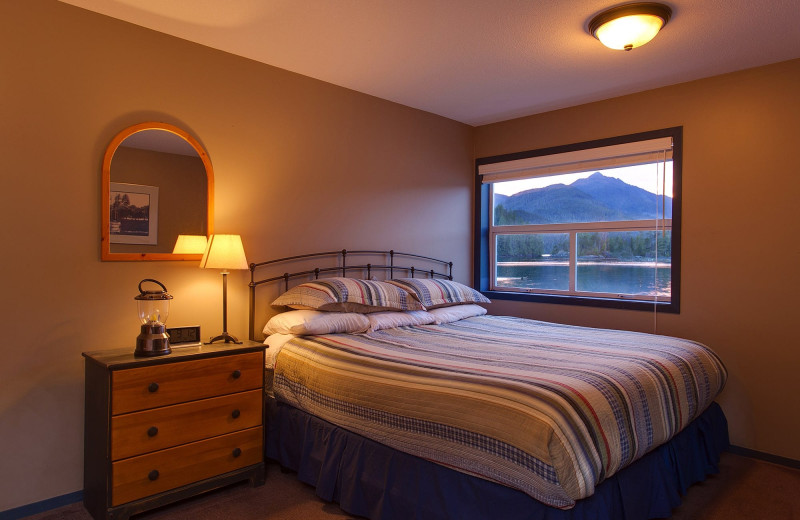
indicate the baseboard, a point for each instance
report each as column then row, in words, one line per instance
column 768, row 457
column 41, row 507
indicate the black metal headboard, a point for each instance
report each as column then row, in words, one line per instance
column 364, row 270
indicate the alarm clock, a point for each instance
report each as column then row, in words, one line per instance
column 184, row 336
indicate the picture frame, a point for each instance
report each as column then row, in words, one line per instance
column 133, row 214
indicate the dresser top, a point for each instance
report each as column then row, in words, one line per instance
column 120, row 358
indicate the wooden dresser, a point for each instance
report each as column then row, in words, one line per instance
column 165, row 428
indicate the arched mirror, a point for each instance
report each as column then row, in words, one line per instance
column 157, row 184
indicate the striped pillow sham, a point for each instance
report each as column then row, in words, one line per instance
column 348, row 295
column 433, row 292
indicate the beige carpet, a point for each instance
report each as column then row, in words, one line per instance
column 745, row 488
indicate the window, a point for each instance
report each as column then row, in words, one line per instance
column 595, row 223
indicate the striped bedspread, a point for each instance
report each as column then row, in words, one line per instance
column 549, row 409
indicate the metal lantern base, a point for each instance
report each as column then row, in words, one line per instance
column 152, row 341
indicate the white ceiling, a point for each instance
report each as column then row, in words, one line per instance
column 475, row 61
column 160, row 141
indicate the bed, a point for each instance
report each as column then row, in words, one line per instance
column 404, row 399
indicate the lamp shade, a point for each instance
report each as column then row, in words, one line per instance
column 629, row 26
column 190, row 245
column 224, row 252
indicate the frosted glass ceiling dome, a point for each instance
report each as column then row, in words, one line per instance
column 629, row 26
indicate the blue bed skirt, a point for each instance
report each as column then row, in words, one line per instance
column 371, row 480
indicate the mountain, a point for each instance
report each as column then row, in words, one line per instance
column 595, row 198
column 631, row 201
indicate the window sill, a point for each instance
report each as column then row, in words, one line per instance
column 638, row 305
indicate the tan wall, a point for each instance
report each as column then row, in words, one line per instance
column 740, row 277
column 299, row 165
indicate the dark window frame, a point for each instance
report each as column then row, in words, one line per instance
column 481, row 227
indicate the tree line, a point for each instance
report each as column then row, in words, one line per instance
column 608, row 246
column 122, row 209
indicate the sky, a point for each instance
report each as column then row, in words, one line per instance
column 646, row 176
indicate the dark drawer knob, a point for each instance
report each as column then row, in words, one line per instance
column 153, row 475
column 236, row 452
column 235, row 414
column 236, row 374
column 153, row 387
column 152, row 431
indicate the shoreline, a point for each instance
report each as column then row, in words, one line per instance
column 565, row 263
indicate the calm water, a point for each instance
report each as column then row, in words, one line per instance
column 641, row 279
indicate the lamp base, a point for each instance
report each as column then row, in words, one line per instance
column 152, row 341
column 227, row 337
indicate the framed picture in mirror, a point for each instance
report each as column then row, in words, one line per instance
column 133, row 214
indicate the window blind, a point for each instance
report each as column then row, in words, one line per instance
column 613, row 156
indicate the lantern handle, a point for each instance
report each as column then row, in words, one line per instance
column 151, row 280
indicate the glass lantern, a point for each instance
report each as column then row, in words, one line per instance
column 153, row 312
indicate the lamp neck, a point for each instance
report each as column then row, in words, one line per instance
column 224, row 301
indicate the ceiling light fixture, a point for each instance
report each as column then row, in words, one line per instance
column 629, row 26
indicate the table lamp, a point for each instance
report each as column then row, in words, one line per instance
column 224, row 252
column 190, row 245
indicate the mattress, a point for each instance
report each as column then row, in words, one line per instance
column 548, row 409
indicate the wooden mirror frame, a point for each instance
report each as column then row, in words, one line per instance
column 105, row 246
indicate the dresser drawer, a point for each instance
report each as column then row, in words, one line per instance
column 160, row 385
column 160, row 471
column 142, row 432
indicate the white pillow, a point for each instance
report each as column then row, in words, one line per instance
column 456, row 312
column 388, row 320
column 305, row 322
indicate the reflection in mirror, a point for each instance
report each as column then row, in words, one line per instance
column 157, row 184
column 190, row 244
